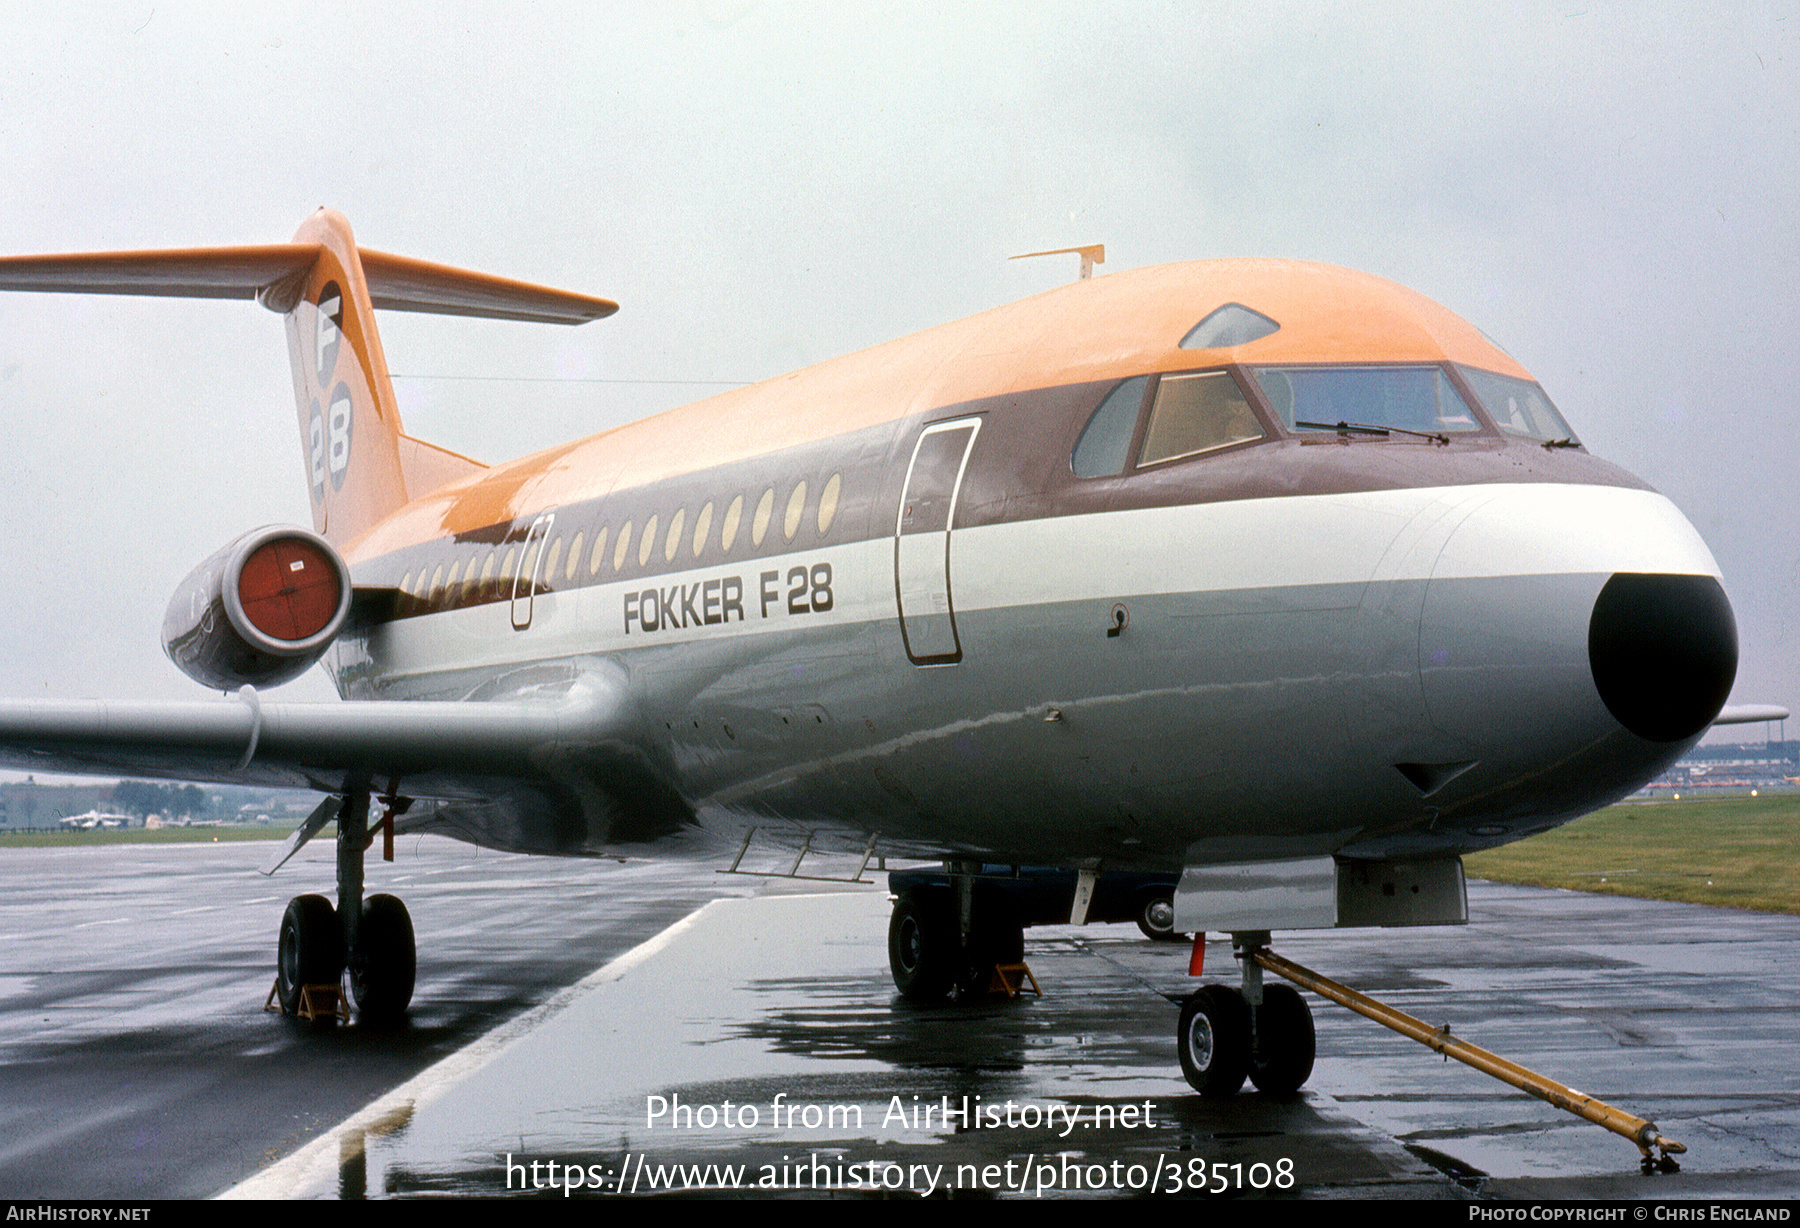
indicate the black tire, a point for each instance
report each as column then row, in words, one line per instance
column 310, row 950
column 1213, row 1038
column 1157, row 919
column 1281, row 1058
column 922, row 944
column 381, row 979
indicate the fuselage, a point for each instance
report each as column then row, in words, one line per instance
column 1074, row 582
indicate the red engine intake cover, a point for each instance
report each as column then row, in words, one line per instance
column 261, row 611
column 289, row 589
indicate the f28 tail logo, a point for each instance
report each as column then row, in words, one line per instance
column 328, row 330
column 328, row 436
column 328, row 432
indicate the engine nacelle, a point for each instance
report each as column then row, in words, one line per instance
column 261, row 611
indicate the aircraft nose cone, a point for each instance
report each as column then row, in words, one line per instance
column 1663, row 651
column 1564, row 621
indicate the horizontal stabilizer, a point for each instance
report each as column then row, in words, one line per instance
column 396, row 283
column 201, row 272
column 399, row 283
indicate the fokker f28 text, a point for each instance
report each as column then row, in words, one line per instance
column 1274, row 576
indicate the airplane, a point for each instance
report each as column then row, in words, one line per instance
column 1276, row 576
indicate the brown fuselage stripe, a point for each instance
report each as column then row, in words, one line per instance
column 1019, row 470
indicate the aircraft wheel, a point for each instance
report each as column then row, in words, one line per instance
column 1214, row 1040
column 922, row 944
column 1157, row 919
column 381, row 979
column 310, row 951
column 1282, row 1056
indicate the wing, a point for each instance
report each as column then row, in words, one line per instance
column 561, row 774
column 1746, row 714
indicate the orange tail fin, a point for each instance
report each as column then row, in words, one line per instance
column 349, row 421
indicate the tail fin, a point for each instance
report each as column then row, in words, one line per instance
column 349, row 421
column 360, row 464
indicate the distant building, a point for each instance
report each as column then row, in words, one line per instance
column 1725, row 768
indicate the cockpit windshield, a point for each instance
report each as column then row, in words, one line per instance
column 1416, row 400
column 1518, row 407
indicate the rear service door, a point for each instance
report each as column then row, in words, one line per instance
column 922, row 541
column 525, row 580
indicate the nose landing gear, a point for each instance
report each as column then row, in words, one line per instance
column 1267, row 1034
column 1226, row 1034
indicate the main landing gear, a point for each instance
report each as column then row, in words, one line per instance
column 1263, row 1032
column 370, row 939
column 951, row 938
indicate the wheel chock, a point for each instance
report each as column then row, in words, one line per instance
column 1010, row 980
column 317, row 1002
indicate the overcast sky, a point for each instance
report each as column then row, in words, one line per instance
column 1611, row 191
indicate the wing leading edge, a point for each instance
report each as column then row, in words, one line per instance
column 552, row 775
column 305, row 745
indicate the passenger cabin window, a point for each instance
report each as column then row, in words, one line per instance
column 1421, row 400
column 1518, row 407
column 548, row 580
column 702, row 527
column 622, row 548
column 828, row 502
column 1194, row 414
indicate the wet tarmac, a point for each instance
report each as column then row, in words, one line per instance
column 755, row 1044
column 136, row 1060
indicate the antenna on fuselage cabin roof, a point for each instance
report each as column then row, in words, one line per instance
column 1092, row 254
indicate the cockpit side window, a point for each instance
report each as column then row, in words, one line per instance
column 1518, row 407
column 1194, row 414
column 1421, row 400
column 1105, row 442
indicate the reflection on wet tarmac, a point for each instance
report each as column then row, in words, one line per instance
column 134, row 1058
column 764, row 1051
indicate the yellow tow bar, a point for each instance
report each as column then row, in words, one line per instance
column 1643, row 1133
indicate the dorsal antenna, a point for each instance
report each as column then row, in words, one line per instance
column 1092, row 254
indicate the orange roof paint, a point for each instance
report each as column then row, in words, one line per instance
column 1101, row 328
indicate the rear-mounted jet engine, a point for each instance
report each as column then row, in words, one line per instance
column 261, row 611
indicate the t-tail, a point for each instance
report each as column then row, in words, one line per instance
column 360, row 463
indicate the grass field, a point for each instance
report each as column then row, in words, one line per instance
column 1739, row 852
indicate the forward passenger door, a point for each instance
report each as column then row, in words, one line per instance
column 922, row 541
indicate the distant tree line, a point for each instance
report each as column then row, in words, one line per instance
column 142, row 797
